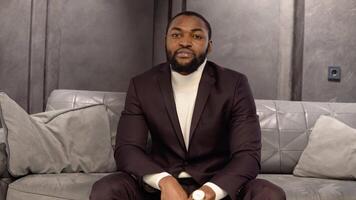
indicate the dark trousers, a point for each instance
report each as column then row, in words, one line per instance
column 121, row 186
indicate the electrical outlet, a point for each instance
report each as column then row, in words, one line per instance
column 334, row 73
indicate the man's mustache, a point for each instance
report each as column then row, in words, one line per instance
column 184, row 50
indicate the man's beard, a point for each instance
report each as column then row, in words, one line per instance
column 188, row 68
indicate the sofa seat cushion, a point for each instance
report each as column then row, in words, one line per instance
column 75, row 186
column 313, row 188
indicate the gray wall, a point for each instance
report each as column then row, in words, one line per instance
column 160, row 21
column 77, row 44
column 253, row 37
column 14, row 49
column 98, row 45
column 330, row 39
column 283, row 46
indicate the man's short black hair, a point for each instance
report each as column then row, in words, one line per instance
column 191, row 13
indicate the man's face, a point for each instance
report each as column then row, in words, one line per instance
column 187, row 43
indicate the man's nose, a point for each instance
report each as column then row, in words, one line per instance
column 185, row 41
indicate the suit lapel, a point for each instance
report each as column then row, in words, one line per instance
column 205, row 85
column 164, row 81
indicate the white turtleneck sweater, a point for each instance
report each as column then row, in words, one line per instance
column 185, row 89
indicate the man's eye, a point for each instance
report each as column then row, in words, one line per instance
column 197, row 37
column 175, row 35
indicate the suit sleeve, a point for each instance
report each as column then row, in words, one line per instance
column 245, row 142
column 131, row 139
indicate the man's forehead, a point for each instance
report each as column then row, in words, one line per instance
column 190, row 22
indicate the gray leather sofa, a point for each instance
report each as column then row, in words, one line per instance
column 285, row 129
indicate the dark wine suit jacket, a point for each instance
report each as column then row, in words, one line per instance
column 225, row 138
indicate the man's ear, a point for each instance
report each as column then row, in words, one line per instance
column 210, row 44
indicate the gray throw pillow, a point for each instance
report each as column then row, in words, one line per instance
column 71, row 140
column 331, row 151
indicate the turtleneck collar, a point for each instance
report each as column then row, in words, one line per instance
column 189, row 80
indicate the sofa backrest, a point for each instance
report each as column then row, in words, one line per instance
column 114, row 101
column 285, row 125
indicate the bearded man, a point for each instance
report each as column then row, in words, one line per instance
column 206, row 139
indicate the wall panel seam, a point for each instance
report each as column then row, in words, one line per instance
column 298, row 50
column 29, row 60
column 170, row 2
column 45, row 58
column 155, row 5
column 184, row 5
